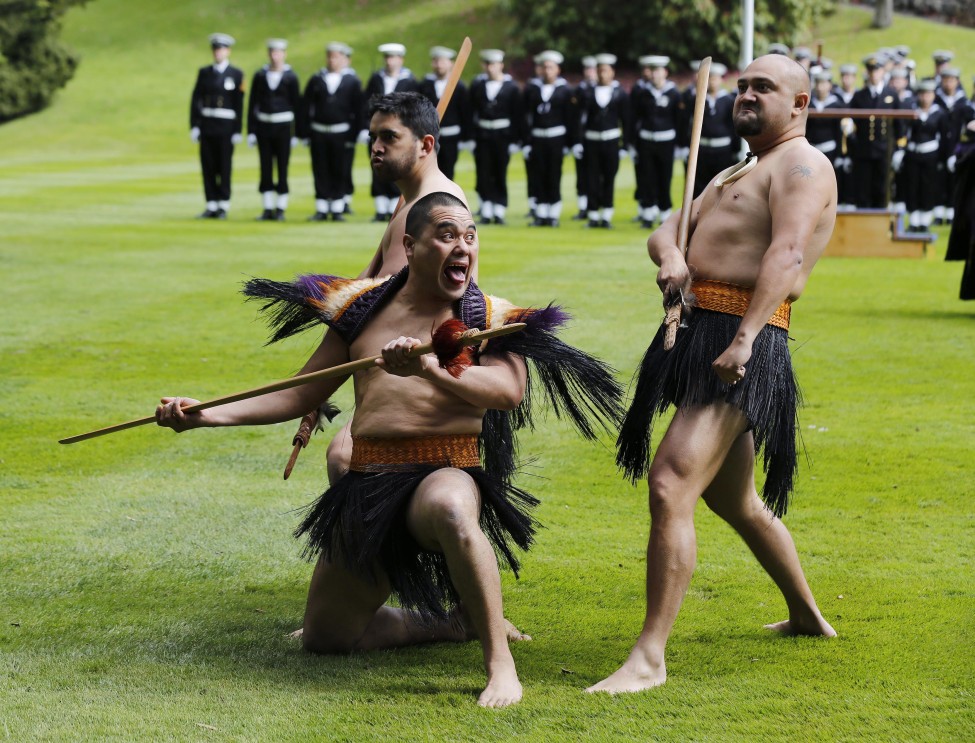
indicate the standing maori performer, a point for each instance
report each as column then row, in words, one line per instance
column 419, row 516
column 961, row 241
column 753, row 243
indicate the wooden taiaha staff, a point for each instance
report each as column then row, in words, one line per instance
column 468, row 338
column 672, row 319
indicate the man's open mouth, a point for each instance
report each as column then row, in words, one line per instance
column 456, row 272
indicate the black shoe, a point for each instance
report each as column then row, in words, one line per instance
column 579, row 216
column 593, row 223
column 208, row 214
column 379, row 218
column 605, row 224
column 318, row 217
column 338, row 217
column 498, row 220
column 266, row 216
column 347, row 210
column 220, row 214
column 939, row 221
column 538, row 222
column 646, row 224
column 279, row 215
column 553, row 222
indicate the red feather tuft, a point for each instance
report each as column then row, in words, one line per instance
column 452, row 356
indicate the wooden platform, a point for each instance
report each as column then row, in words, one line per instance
column 867, row 233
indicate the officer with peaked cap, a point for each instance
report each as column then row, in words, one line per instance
column 869, row 151
column 498, row 113
column 333, row 110
column 657, row 117
column 216, row 122
column 455, row 126
column 275, row 104
column 392, row 78
column 582, row 184
column 550, row 121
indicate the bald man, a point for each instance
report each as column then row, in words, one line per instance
column 755, row 235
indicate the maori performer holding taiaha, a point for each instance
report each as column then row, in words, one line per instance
column 428, row 505
column 756, row 231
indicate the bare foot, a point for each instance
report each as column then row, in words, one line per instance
column 459, row 619
column 638, row 673
column 503, row 688
column 296, row 635
column 815, row 626
column 514, row 634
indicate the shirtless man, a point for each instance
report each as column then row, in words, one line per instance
column 762, row 234
column 406, row 399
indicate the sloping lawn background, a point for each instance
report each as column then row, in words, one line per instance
column 148, row 581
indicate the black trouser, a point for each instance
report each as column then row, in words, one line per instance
column 710, row 162
column 491, row 160
column 275, row 145
column 923, row 182
column 602, row 164
column 383, row 188
column 545, row 166
column 347, row 187
column 329, row 155
column 654, row 171
column 447, row 157
column 216, row 156
column 870, row 183
column 582, row 177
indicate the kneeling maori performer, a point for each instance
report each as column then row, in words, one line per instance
column 418, row 516
column 756, row 232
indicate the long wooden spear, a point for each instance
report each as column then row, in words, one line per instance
column 468, row 338
column 672, row 319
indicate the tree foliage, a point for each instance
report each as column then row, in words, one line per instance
column 33, row 62
column 686, row 30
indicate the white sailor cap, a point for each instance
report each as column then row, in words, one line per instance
column 951, row 72
column 222, row 40
column 392, row 50
column 903, row 49
column 928, row 84
column 436, row 52
column 778, row 47
column 718, row 69
column 277, row 44
column 589, row 61
column 802, row 52
column 654, row 60
column 909, row 64
column 338, row 46
column 942, row 55
column 823, row 76
column 826, row 63
column 606, row 58
column 899, row 72
column 492, row 55
column 848, row 69
column 549, row 55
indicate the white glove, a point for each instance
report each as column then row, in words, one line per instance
column 236, row 139
column 577, row 150
column 848, row 165
column 512, row 149
column 251, row 140
column 363, row 137
column 896, row 160
column 295, row 142
column 195, row 134
column 565, row 151
column 467, row 145
column 526, row 151
column 847, row 126
column 624, row 153
column 632, row 151
column 952, row 163
column 682, row 153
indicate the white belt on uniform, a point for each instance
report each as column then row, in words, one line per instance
column 665, row 136
column 450, row 131
column 828, row 146
column 219, row 113
column 923, row 148
column 549, row 133
column 494, row 123
column 276, row 118
column 603, row 136
column 331, row 128
column 716, row 142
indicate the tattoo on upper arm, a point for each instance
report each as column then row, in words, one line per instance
column 803, row 171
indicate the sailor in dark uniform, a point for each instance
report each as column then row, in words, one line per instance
column 271, row 125
column 869, row 152
column 604, row 121
column 455, row 126
column 941, row 58
column 922, row 161
column 825, row 134
column 498, row 123
column 333, row 111
column 779, row 48
column 845, row 199
column 720, row 144
column 550, row 120
column 950, row 96
column 216, row 121
column 657, row 116
column 392, row 78
column 579, row 156
column 899, row 80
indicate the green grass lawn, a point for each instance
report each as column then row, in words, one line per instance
column 148, row 581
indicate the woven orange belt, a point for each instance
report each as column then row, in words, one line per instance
column 403, row 454
column 732, row 299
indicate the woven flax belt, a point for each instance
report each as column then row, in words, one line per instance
column 400, row 455
column 734, row 300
